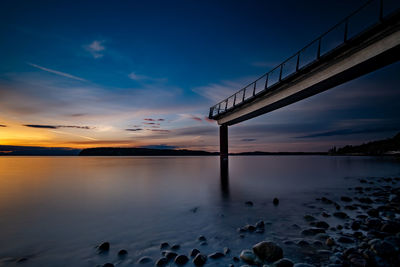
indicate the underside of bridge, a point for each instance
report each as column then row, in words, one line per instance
column 373, row 48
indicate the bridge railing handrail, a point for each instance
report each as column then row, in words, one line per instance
column 222, row 106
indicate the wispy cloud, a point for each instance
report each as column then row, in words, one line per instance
column 349, row 132
column 57, row 126
column 137, row 77
column 67, row 75
column 134, row 129
column 2, row 125
column 96, row 48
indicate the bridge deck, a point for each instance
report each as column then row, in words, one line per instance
column 298, row 77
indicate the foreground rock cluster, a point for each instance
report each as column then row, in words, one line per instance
column 360, row 228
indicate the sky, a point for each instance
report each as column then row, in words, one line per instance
column 145, row 73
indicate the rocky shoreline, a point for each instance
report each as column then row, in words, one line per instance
column 358, row 228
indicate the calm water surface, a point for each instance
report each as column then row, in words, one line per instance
column 55, row 210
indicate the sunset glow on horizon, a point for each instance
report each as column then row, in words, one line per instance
column 144, row 74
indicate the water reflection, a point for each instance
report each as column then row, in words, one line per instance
column 224, row 168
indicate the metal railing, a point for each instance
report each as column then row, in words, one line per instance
column 371, row 13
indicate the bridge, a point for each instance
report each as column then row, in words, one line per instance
column 364, row 41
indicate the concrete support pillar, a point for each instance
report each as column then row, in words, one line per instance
column 223, row 141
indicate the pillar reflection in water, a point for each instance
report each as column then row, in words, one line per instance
column 224, row 177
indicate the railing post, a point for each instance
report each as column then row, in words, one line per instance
column 210, row 115
column 381, row 10
column 346, row 27
column 226, row 105
column 280, row 73
column 319, row 48
column 254, row 89
column 234, row 100
column 298, row 61
column 244, row 94
column 266, row 82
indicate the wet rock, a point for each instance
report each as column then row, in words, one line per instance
column 346, row 199
column 309, row 218
column 275, row 201
column 250, row 228
column 202, row 238
column 303, row 243
column 282, row 263
column 181, row 259
column 164, row 245
column 268, row 251
column 330, row 242
column 339, row 227
column 373, row 223
column 373, row 212
column 162, row 262
column 144, row 259
column 194, row 252
column 390, row 227
column 324, row 252
column 248, row 256
column 249, row 203
column 104, row 247
column 358, row 234
column 108, row 265
column 200, row 260
column 122, row 253
column 325, row 214
column 383, row 249
column 303, row 265
column 170, row 255
column 322, row 224
column 216, row 255
column 312, row 231
column 345, row 240
column 235, row 259
column 326, row 201
column 260, row 225
column 175, row 247
column 350, row 207
column 318, row 244
column 355, row 225
column 340, row 215
column 260, row 231
column 365, row 200
column 337, row 206
column 226, row 250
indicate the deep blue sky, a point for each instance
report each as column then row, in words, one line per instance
column 155, row 67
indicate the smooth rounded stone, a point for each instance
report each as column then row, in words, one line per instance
column 346, row 199
column 358, row 234
column 194, row 252
column 260, row 231
column 144, row 259
column 325, row 214
column 373, row 212
column 340, row 215
column 391, row 227
column 322, row 236
column 330, row 242
column 249, row 203
column 175, row 247
column 383, row 249
column 235, row 259
column 318, row 243
column 339, row 227
column 337, row 206
column 268, row 251
column 164, row 245
column 326, row 200
column 275, row 201
column 365, row 200
column 202, row 238
column 345, row 240
column 122, row 253
column 181, row 259
column 309, row 218
column 260, row 224
column 162, row 262
column 324, row 252
column 216, row 255
column 350, row 207
column 373, row 223
column 282, row 263
column 303, row 265
column 248, row 256
column 104, row 247
column 170, row 255
column 312, row 231
column 250, row 228
column 322, row 224
column 303, row 243
column 199, row 260
column 108, row 265
column 226, row 250
column 355, row 225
